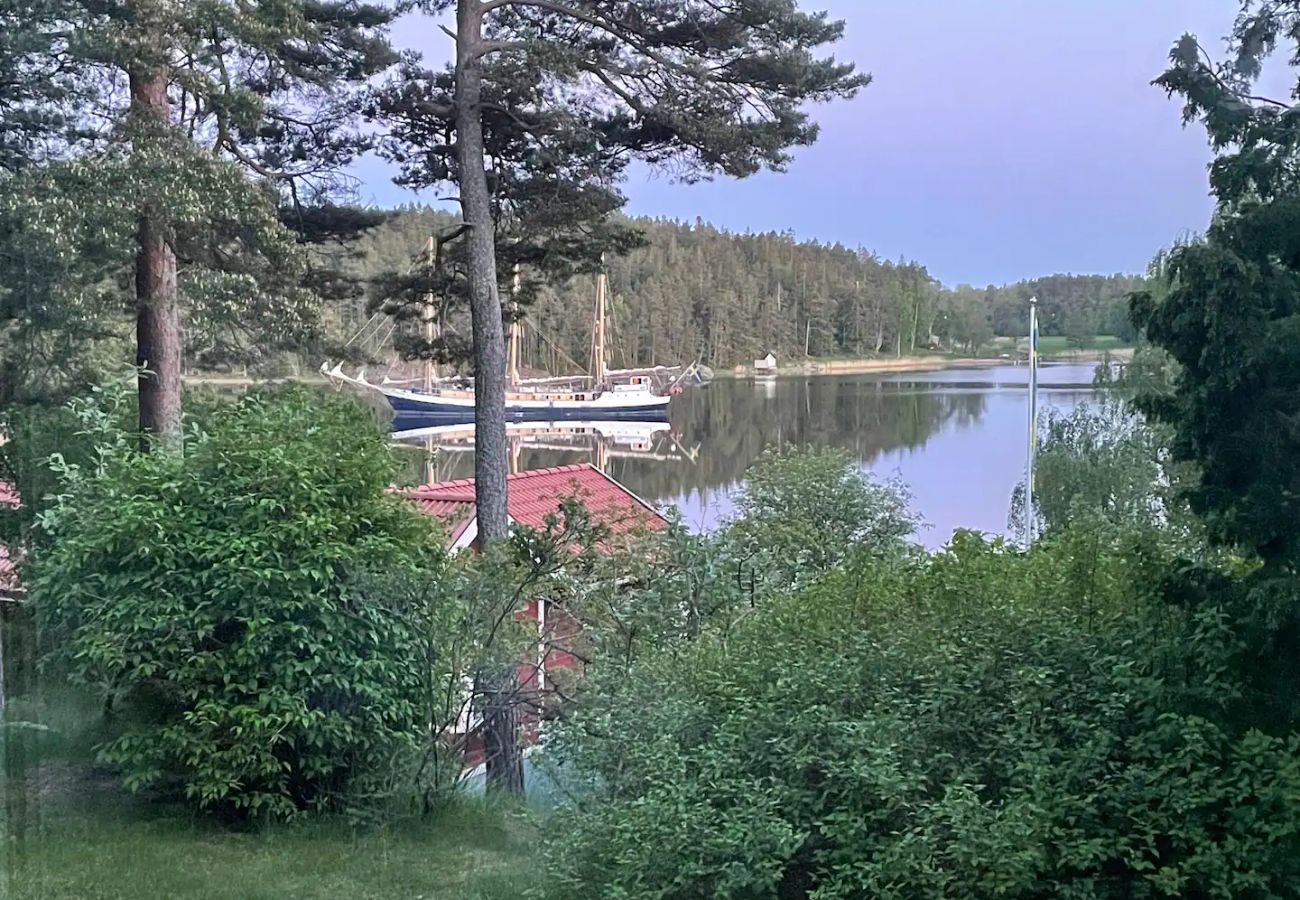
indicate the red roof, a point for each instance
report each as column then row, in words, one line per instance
column 534, row 495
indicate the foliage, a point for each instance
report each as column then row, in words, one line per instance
column 1102, row 462
column 696, row 290
column 1254, row 136
column 37, row 86
column 802, row 512
column 253, row 113
column 211, row 597
column 1225, row 307
column 571, row 94
column 67, row 255
column 977, row 723
column 1229, row 319
column 464, row 630
column 554, row 189
column 712, row 89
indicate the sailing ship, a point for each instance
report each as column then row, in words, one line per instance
column 605, row 394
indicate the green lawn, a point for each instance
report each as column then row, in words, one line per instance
column 68, row 831
column 127, row 853
column 1060, row 344
column 1057, row 344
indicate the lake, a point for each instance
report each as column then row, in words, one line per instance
column 956, row 438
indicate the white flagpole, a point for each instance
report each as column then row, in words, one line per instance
column 1033, row 421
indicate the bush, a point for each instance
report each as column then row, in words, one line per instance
column 974, row 724
column 803, row 511
column 1103, row 462
column 212, row 596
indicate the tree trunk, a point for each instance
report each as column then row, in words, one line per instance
column 485, row 305
column 503, row 763
column 157, row 317
column 500, row 727
column 916, row 319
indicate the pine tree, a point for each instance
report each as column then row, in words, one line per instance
column 217, row 92
column 692, row 84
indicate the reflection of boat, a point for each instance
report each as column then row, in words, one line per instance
column 635, row 434
column 604, row 394
column 602, row 441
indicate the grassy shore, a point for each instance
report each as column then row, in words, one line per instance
column 1003, row 351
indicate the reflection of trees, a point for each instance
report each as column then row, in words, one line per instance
column 732, row 422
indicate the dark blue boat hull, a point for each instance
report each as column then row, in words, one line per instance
column 416, row 413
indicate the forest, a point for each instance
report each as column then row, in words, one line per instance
column 684, row 292
column 694, row 291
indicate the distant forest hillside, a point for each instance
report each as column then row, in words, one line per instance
column 698, row 292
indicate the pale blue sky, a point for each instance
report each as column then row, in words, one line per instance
column 999, row 140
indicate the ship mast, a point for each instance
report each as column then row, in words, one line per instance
column 512, row 351
column 430, row 370
column 598, row 338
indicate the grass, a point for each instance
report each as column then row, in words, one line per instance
column 1059, row 344
column 124, row 851
column 69, row 831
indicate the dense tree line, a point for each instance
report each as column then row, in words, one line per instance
column 694, row 291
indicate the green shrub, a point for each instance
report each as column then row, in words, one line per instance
column 211, row 595
column 973, row 724
column 803, row 511
column 1103, row 462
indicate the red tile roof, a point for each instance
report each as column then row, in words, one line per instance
column 534, row 495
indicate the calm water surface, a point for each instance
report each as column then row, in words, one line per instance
column 956, row 438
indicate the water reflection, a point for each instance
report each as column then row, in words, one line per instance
column 449, row 449
column 956, row 438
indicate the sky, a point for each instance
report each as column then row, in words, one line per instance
column 998, row 140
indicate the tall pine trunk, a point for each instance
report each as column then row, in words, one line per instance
column 500, row 729
column 157, row 317
column 485, row 305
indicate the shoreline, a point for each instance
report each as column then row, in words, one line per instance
column 885, row 365
column 919, row 364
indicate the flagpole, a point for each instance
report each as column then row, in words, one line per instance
column 1033, row 421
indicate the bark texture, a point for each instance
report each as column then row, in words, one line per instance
column 490, row 466
column 504, row 763
column 157, row 319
